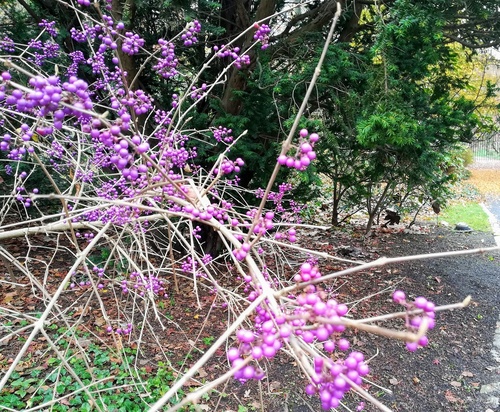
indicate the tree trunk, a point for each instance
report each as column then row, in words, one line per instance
column 119, row 10
column 335, row 204
column 237, row 82
column 372, row 212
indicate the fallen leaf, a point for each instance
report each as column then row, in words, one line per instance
column 467, row 373
column 416, row 381
column 21, row 366
column 450, row 397
column 455, row 384
column 393, row 381
column 274, row 385
column 84, row 342
column 8, row 297
column 5, row 341
column 202, row 373
column 81, row 311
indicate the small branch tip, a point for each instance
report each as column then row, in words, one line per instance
column 466, row 301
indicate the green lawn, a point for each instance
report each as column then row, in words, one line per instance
column 470, row 213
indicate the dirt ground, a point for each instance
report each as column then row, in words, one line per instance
column 446, row 376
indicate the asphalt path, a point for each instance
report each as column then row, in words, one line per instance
column 492, row 390
column 493, row 205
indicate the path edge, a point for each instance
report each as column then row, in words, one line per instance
column 492, row 390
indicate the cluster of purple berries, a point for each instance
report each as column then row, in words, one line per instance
column 308, row 325
column 278, row 198
column 15, row 153
column 45, row 100
column 242, row 252
column 207, row 214
column 197, row 232
column 228, row 166
column 88, row 32
column 131, row 43
column 167, row 65
column 189, row 265
column 263, row 225
column 7, row 44
column 305, row 153
column 173, row 151
column 87, row 236
column 107, row 43
column 143, row 284
column 223, row 134
column 122, row 155
column 120, row 331
column 99, row 272
column 77, row 58
column 290, row 234
column 47, row 50
column 305, row 319
column 81, row 283
column 189, row 37
column 226, row 51
column 413, row 323
column 198, row 93
column 138, row 100
column 85, row 176
column 24, row 199
column 263, row 342
column 85, row 283
column 307, row 272
column 329, row 379
column 262, row 35
column 49, row 26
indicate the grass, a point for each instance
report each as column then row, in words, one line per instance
column 486, row 153
column 481, row 183
column 471, row 213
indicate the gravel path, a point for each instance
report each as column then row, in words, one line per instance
column 485, row 164
column 460, row 371
column 492, row 390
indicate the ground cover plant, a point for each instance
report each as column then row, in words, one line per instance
column 111, row 220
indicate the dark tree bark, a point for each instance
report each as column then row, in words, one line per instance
column 118, row 9
column 237, row 81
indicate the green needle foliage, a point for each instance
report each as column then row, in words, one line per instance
column 388, row 100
